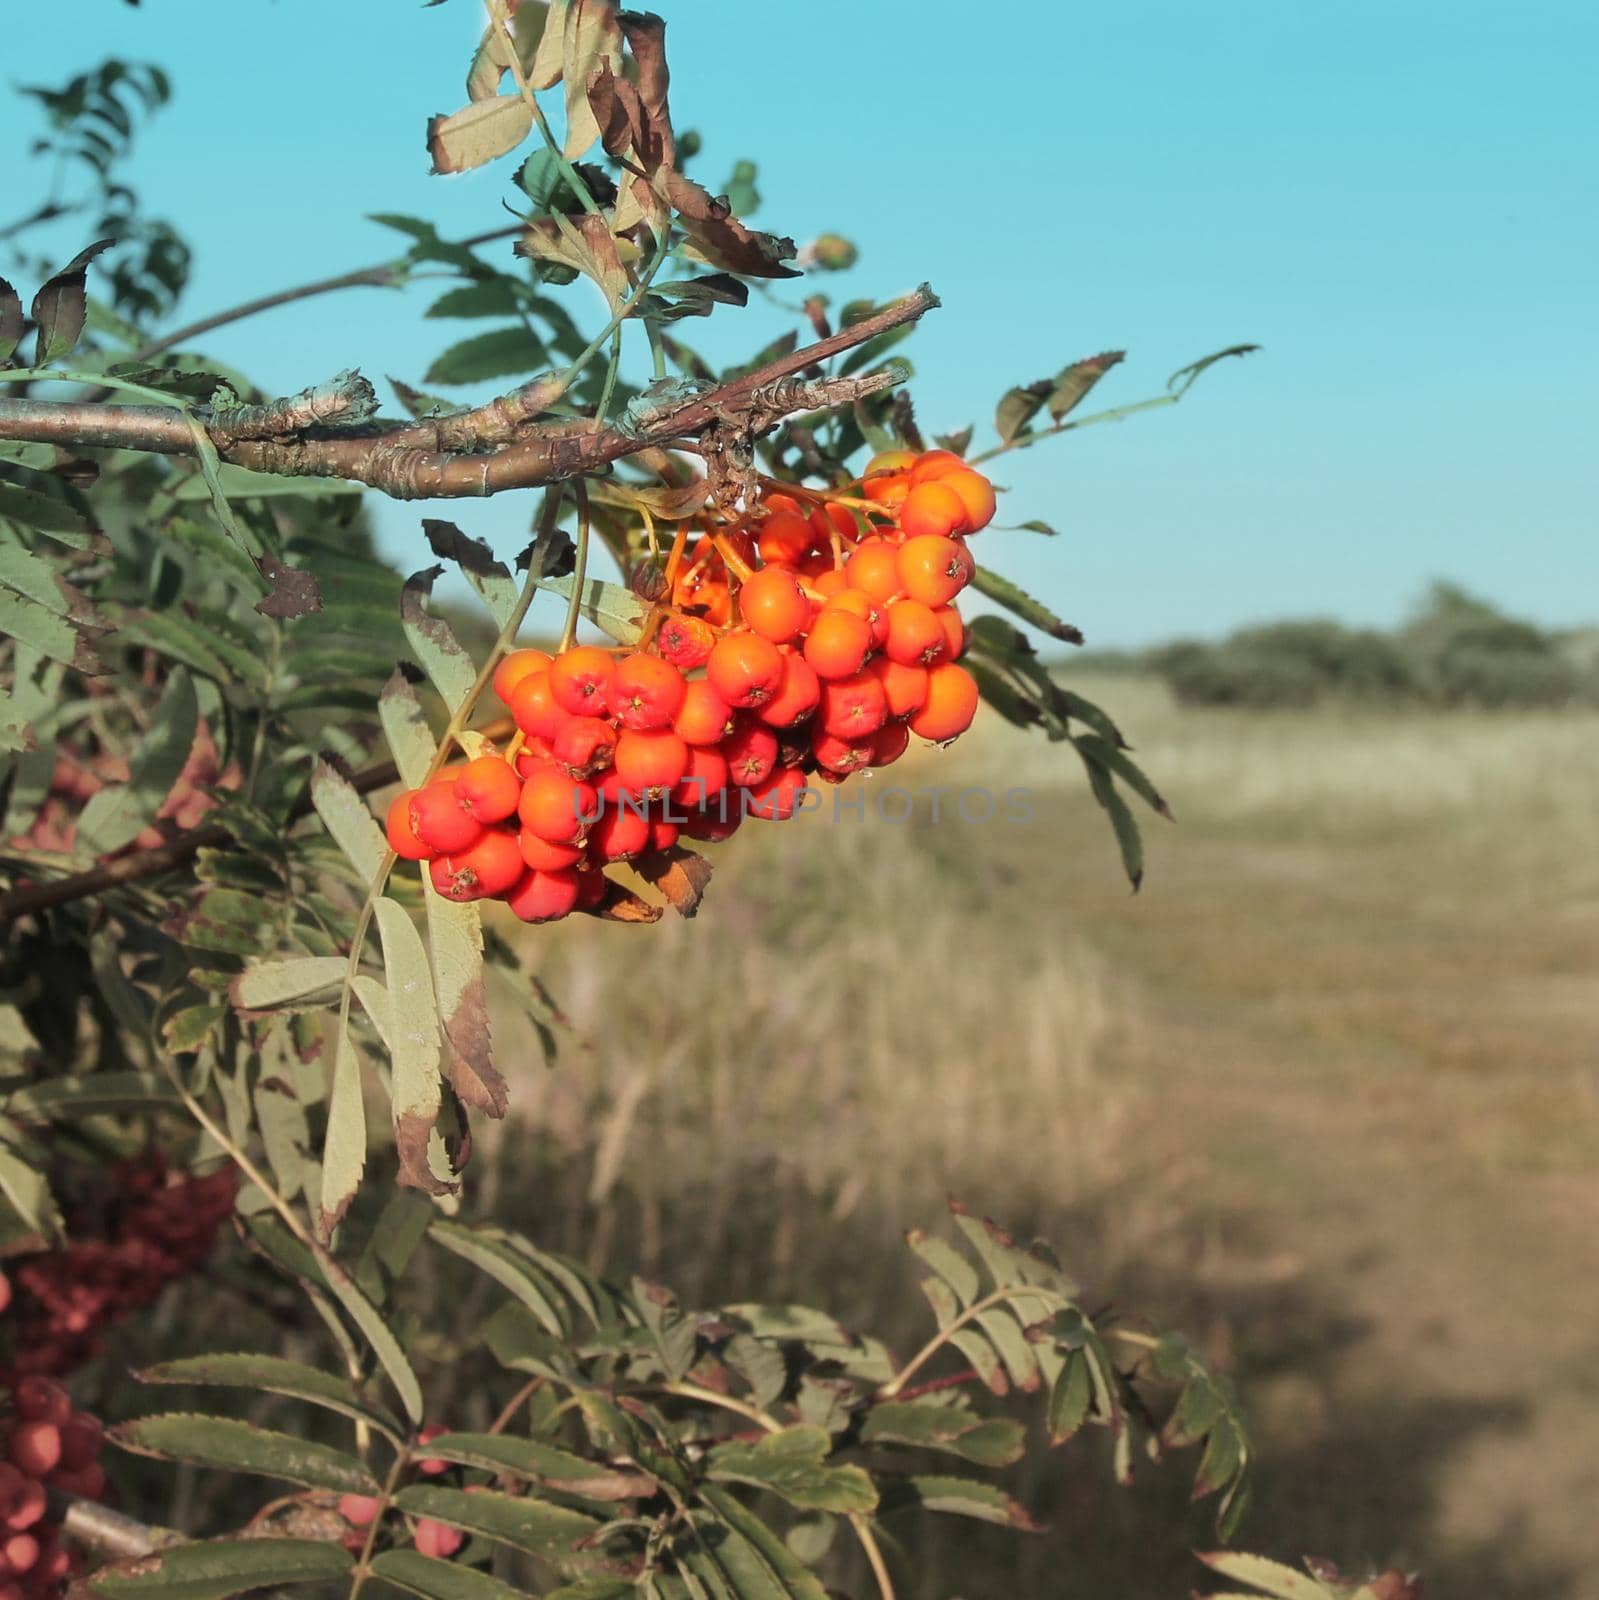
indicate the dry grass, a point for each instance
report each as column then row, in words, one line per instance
column 1326, row 1092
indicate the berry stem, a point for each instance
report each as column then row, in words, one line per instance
column 579, row 569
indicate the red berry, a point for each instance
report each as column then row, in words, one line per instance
column 623, row 832
column 542, row 856
column 360, row 1510
column 545, row 896
column 777, row 799
column 36, row 1448
column 81, row 1439
column 751, row 753
column 705, row 777
column 773, row 605
column 534, row 707
column 854, row 708
column 487, row 870
column 488, row 789
column 41, row 1400
column 585, row 746
column 581, row 680
column 438, row 821
column 797, row 695
column 745, row 669
column 556, row 807
column 650, row 762
column 841, row 755
column 646, row 692
column 397, row 825
column 438, row 1539
column 838, row 644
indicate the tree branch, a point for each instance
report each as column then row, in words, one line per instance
column 444, row 458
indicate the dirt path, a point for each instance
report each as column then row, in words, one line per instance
column 1391, row 1095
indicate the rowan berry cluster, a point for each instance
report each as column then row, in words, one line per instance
column 812, row 642
column 55, row 1305
column 44, row 1444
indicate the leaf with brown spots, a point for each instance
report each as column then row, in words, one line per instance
column 61, row 305
column 622, row 905
column 720, row 238
column 294, row 591
column 679, row 873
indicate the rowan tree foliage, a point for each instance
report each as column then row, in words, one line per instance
column 219, row 959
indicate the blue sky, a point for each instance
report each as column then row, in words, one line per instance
column 1397, row 199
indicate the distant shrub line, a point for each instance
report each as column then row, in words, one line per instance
column 1455, row 651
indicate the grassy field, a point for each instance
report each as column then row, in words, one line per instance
column 1325, row 1094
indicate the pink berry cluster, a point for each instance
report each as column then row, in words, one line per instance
column 432, row 1538
column 44, row 1445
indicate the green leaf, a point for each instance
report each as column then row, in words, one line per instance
column 119, row 812
column 555, row 1469
column 442, row 1580
column 953, row 1429
column 1073, row 382
column 478, row 133
column 413, row 1040
column 793, row 1465
column 219, row 1568
column 1016, row 600
column 947, row 1262
column 273, row 1375
column 1111, row 756
column 507, row 1268
column 491, row 578
column 301, row 983
column 344, row 1140
column 492, row 297
column 205, row 649
column 345, row 815
column 520, row 1521
column 405, row 726
column 1017, row 407
column 51, row 635
column 455, row 950
column 377, row 1333
column 1271, row 1577
column 44, row 513
column 958, row 1497
column 61, row 305
column 1123, row 823
column 502, row 352
column 240, row 483
column 233, row 1446
column 91, row 1092
column 1069, row 1399
column 434, row 641
column 186, row 1030
column 757, row 1562
column 615, row 610
column 28, row 1191
column 38, row 580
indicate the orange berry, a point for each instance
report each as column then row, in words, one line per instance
column 838, row 644
column 751, row 754
column 542, row 856
column 704, row 717
column 489, row 789
column 976, row 493
column 584, row 746
column 950, row 706
column 514, row 668
column 915, row 635
column 650, row 761
column 646, row 692
column 402, row 839
column 777, row 799
column 785, row 536
column 580, row 680
column 890, row 461
column 832, row 520
column 438, row 820
column 772, row 605
column 533, row 705
column 905, row 688
column 887, row 489
column 874, row 569
column 841, row 755
column 797, row 695
column 872, row 612
column 931, row 465
column 854, row 708
column 745, row 669
column 949, row 619
column 489, row 869
column 685, row 642
column 934, row 569
column 557, row 807
column 932, row 508
column 830, row 581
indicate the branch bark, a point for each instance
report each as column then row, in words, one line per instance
column 446, row 458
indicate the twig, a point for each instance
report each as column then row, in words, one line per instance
column 443, row 457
